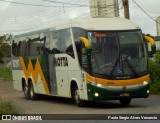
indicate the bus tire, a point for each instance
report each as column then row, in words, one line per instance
column 32, row 94
column 26, row 91
column 125, row 101
column 76, row 97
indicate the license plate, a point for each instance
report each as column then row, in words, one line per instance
column 124, row 94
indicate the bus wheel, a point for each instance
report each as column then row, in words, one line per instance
column 32, row 94
column 26, row 91
column 76, row 97
column 125, row 101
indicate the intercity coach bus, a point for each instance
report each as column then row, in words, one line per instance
column 87, row 59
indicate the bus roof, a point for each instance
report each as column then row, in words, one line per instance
column 90, row 24
column 100, row 24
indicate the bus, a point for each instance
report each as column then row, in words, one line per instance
column 86, row 59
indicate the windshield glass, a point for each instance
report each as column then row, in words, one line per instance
column 118, row 53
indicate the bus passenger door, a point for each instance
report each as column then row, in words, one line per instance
column 51, row 56
column 52, row 74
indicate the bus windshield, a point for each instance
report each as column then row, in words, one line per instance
column 118, row 54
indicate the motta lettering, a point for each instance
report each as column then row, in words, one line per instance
column 61, row 62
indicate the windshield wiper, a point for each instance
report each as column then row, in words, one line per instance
column 115, row 65
column 131, row 67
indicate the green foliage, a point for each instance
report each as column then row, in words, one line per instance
column 5, row 73
column 154, row 70
column 5, row 48
column 7, row 108
column 157, row 57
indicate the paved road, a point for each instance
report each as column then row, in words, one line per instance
column 54, row 105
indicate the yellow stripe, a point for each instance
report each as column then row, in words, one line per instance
column 34, row 72
column 117, row 82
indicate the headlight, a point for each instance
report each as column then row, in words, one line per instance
column 92, row 83
column 97, row 84
column 145, row 82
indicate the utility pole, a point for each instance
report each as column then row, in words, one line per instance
column 158, row 25
column 126, row 9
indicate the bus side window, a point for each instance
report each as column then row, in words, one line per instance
column 70, row 51
column 24, row 48
column 36, row 48
column 54, row 45
column 77, row 33
column 14, row 48
column 66, row 42
column 19, row 48
column 79, row 46
column 40, row 50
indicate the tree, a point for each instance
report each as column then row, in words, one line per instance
column 5, row 47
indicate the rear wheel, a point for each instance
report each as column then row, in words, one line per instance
column 76, row 97
column 125, row 101
column 26, row 91
column 32, row 94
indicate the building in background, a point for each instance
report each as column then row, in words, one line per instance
column 104, row 8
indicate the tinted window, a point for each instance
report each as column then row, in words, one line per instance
column 78, row 32
column 14, row 48
column 61, row 42
column 65, row 39
column 54, row 44
column 37, row 48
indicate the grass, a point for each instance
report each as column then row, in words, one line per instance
column 5, row 73
column 7, row 108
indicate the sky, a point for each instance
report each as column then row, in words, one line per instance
column 18, row 18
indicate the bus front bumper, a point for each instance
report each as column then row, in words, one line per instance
column 116, row 92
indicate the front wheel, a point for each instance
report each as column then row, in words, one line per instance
column 125, row 101
column 76, row 97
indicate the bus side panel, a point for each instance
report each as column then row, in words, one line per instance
column 17, row 77
column 34, row 68
column 62, row 83
column 17, row 73
column 65, row 65
column 76, row 75
column 38, row 86
column 85, row 90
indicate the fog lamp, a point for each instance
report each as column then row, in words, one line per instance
column 96, row 94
